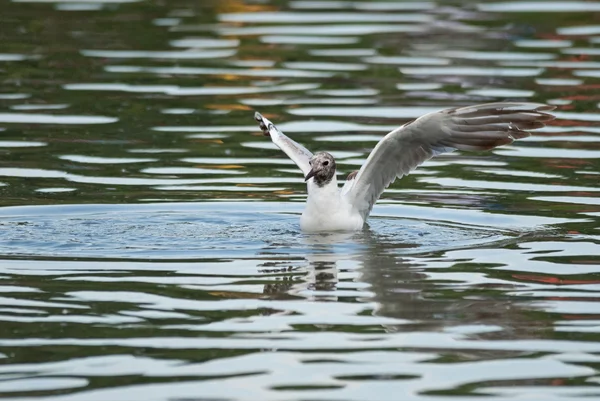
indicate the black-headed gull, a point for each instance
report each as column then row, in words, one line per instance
column 473, row 128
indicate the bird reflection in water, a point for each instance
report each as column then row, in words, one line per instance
column 402, row 287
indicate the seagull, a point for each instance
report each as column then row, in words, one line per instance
column 472, row 128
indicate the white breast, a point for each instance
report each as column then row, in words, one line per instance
column 326, row 210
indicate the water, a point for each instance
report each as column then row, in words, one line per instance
column 149, row 238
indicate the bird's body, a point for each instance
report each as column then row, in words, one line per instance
column 330, row 208
column 327, row 210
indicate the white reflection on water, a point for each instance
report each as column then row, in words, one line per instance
column 320, row 17
column 104, row 160
column 307, row 40
column 14, row 96
column 21, row 144
column 505, row 185
column 534, row 6
column 171, row 54
column 280, row 73
column 186, row 91
column 331, row 30
column 30, row 118
column 475, row 71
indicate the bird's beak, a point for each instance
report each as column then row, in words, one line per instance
column 310, row 175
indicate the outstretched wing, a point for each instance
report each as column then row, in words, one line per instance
column 481, row 127
column 298, row 153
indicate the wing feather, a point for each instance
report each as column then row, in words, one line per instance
column 472, row 128
column 298, row 153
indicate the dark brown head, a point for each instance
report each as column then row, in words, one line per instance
column 322, row 168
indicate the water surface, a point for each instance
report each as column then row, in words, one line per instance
column 149, row 238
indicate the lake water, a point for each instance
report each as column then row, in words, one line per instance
column 149, row 234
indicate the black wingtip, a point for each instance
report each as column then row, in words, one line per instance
column 261, row 123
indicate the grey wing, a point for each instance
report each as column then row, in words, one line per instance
column 472, row 128
column 298, row 153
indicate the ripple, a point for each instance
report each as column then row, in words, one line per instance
column 587, row 51
column 543, row 43
column 516, row 173
column 209, row 136
column 187, row 91
column 502, row 92
column 14, row 96
column 313, row 4
column 252, row 63
column 577, row 116
column 419, row 86
column 325, row 30
column 349, row 138
column 104, row 160
column 79, row 6
column 557, row 153
column 592, row 74
column 579, row 200
column 474, row 71
column 293, row 126
column 226, row 188
column 558, row 81
column 77, row 1
column 178, row 111
column 13, row 57
column 281, row 73
column 553, row 64
column 21, row 144
column 158, row 150
column 166, row 21
column 320, row 17
column 39, row 106
column 310, row 101
column 583, row 30
column 566, row 128
column 399, row 60
column 31, row 172
column 30, row 118
column 196, row 42
column 342, row 52
column 40, row 173
column 562, row 138
column 227, row 160
column 189, row 170
column 383, row 112
column 314, row 65
column 12, row 288
column 168, row 54
column 361, row 5
column 39, row 384
column 205, row 230
column 307, row 40
column 506, row 186
column 346, row 92
column 56, row 190
column 494, row 56
column 537, row 7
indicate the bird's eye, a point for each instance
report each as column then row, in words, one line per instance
column 326, row 163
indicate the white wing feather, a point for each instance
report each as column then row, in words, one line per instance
column 298, row 153
column 401, row 151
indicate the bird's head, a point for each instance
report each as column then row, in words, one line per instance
column 322, row 168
